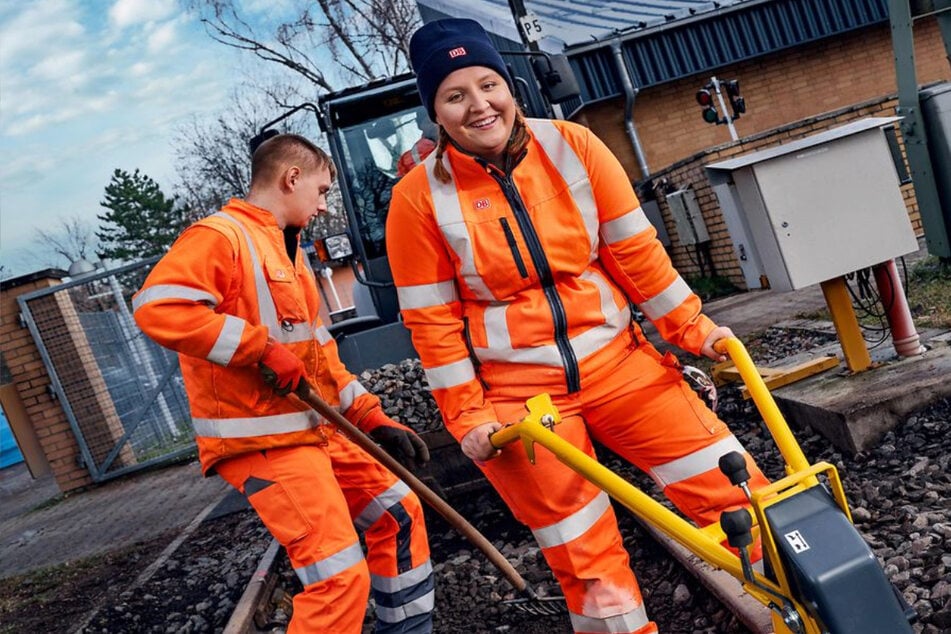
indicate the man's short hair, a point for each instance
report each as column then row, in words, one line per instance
column 284, row 150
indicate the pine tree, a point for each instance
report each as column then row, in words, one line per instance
column 141, row 221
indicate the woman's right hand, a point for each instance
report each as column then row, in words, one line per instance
column 475, row 444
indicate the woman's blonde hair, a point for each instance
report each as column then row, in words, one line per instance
column 513, row 149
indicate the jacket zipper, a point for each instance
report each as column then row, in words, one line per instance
column 513, row 246
column 540, row 261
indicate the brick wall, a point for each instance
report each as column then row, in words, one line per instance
column 33, row 385
column 79, row 376
column 690, row 173
column 780, row 88
column 789, row 95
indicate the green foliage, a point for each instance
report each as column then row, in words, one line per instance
column 141, row 221
column 712, row 287
column 929, row 293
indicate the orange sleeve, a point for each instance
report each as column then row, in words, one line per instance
column 180, row 304
column 632, row 255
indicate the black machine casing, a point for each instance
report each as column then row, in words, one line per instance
column 831, row 567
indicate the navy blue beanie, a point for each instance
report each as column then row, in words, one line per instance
column 441, row 47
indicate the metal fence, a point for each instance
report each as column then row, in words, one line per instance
column 122, row 394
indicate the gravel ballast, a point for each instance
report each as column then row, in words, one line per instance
column 899, row 493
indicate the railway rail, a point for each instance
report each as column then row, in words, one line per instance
column 899, row 492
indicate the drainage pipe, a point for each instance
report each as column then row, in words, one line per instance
column 630, row 92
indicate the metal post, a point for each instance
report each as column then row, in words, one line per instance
column 933, row 219
column 726, row 114
column 846, row 324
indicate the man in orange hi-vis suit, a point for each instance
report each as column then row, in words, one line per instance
column 518, row 248
column 236, row 299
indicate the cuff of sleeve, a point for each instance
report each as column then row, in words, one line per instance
column 376, row 418
column 698, row 332
column 470, row 420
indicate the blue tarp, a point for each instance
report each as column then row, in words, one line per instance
column 9, row 452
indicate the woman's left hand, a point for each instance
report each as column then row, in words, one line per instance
column 718, row 333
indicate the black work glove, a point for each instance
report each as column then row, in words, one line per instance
column 403, row 444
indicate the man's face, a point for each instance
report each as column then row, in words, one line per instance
column 309, row 197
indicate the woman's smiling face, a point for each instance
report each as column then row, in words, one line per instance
column 476, row 109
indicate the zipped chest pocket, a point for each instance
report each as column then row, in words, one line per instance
column 513, row 247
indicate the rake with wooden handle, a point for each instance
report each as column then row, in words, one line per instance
column 529, row 601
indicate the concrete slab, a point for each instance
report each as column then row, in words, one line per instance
column 855, row 410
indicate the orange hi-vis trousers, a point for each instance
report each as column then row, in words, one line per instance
column 641, row 409
column 312, row 499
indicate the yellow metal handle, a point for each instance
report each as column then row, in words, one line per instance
column 767, row 407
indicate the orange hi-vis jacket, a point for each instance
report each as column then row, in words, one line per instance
column 522, row 283
column 225, row 286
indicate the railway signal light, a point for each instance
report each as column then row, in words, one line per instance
column 736, row 101
column 709, row 112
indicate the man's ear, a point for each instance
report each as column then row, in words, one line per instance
column 290, row 178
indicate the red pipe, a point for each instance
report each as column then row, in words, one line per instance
column 904, row 336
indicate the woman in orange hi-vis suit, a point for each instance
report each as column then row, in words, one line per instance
column 518, row 248
column 236, row 299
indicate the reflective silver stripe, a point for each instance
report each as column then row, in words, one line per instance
column 693, row 464
column 450, row 375
column 349, row 394
column 667, row 300
column 566, row 161
column 618, row 624
column 228, row 340
column 267, row 314
column 421, row 605
column 575, row 525
column 497, row 328
column 378, row 505
column 426, row 295
column 448, row 213
column 330, row 566
column 616, row 321
column 405, row 580
column 626, row 226
column 253, row 427
column 323, row 335
column 172, row 291
column 296, row 332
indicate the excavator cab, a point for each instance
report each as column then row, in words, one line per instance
column 369, row 129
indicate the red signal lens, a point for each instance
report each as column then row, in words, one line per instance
column 704, row 98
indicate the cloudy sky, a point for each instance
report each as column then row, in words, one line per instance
column 88, row 86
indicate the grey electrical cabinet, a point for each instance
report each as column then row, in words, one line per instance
column 691, row 228
column 816, row 208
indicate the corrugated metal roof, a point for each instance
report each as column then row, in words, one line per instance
column 664, row 40
column 571, row 22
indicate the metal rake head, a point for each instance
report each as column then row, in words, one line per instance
column 533, row 604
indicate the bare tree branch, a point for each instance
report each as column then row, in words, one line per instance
column 365, row 39
column 69, row 240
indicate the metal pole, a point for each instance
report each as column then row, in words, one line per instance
column 933, row 219
column 726, row 115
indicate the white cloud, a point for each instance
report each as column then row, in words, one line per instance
column 60, row 66
column 126, row 13
column 162, row 37
column 83, row 92
column 37, row 28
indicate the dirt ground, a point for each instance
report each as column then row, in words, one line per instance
column 57, row 599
